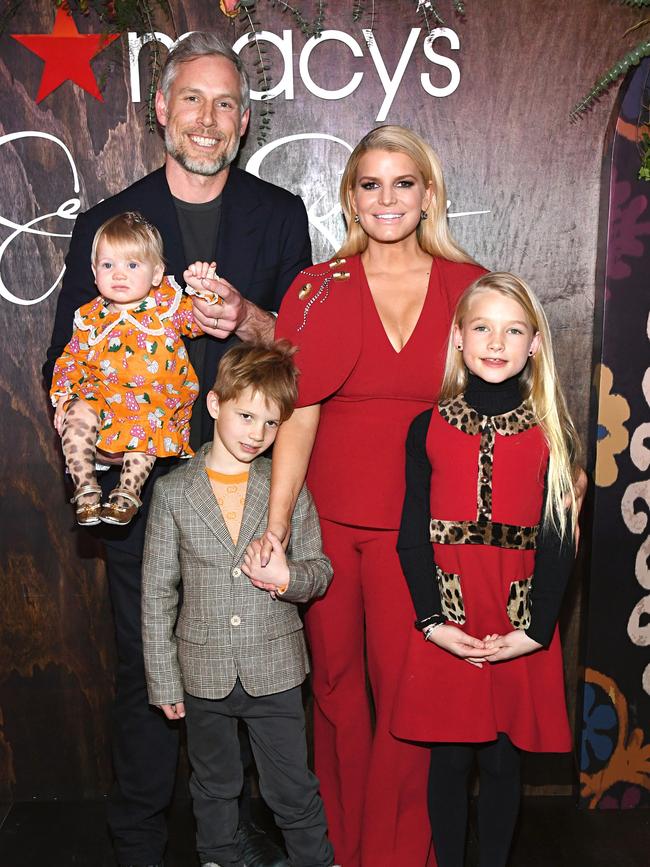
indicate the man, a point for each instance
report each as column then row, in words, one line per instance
column 205, row 209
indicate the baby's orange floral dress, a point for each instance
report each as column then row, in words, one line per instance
column 132, row 368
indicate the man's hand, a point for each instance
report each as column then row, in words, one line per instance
column 467, row 647
column 232, row 313
column 272, row 576
column 509, row 646
column 173, row 711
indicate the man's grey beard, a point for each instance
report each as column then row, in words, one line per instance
column 200, row 166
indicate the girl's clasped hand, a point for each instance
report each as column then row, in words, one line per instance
column 476, row 651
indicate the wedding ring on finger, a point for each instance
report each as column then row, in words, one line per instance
column 216, row 323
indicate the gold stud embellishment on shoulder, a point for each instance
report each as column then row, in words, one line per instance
column 304, row 291
column 336, row 262
column 341, row 275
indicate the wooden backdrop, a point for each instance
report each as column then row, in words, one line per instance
column 507, row 148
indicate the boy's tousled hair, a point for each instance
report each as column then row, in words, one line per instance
column 540, row 390
column 130, row 232
column 265, row 368
column 433, row 233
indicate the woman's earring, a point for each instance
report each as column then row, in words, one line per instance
column 424, row 215
column 460, row 347
column 531, row 353
column 357, row 218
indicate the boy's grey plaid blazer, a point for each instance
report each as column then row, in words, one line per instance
column 226, row 627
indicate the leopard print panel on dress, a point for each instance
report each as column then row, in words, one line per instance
column 453, row 605
column 518, row 607
column 451, row 596
column 484, row 531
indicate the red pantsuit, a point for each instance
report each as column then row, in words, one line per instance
column 373, row 785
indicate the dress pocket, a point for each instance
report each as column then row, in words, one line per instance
column 518, row 606
column 451, row 595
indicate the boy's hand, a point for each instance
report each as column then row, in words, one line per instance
column 467, row 647
column 173, row 711
column 509, row 646
column 272, row 576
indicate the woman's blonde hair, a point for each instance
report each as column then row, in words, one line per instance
column 433, row 233
column 540, row 390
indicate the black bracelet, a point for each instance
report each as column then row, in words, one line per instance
column 431, row 620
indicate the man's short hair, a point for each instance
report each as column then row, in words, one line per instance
column 267, row 369
column 203, row 44
column 133, row 234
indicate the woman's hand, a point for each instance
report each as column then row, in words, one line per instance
column 276, row 573
column 509, row 646
column 467, row 647
column 291, row 454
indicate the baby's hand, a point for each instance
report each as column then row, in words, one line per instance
column 59, row 415
column 275, row 574
column 509, row 646
column 196, row 275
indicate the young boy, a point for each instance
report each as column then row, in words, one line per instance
column 238, row 651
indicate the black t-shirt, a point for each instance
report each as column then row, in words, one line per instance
column 199, row 225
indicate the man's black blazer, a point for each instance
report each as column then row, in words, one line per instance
column 263, row 242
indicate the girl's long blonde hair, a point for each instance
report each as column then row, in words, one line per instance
column 540, row 389
column 433, row 233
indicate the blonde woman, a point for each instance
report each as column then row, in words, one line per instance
column 490, row 472
column 371, row 327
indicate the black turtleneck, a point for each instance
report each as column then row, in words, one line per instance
column 492, row 398
column 553, row 558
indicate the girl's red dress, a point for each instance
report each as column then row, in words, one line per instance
column 442, row 698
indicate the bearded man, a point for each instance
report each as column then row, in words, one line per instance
column 205, row 209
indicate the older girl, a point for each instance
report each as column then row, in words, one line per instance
column 490, row 472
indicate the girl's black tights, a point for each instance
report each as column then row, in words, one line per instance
column 498, row 801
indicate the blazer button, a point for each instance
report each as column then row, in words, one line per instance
column 235, row 620
column 236, row 572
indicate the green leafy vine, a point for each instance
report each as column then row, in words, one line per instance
column 614, row 73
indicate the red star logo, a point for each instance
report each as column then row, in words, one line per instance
column 67, row 54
